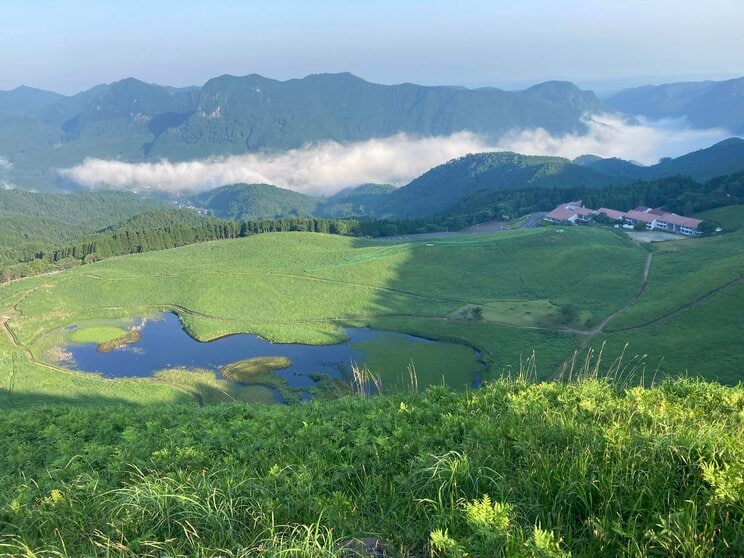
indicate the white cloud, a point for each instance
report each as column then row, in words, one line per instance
column 327, row 167
column 4, row 163
column 610, row 136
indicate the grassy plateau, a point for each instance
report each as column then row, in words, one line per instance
column 550, row 290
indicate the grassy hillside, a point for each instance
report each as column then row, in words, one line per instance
column 730, row 218
column 514, row 469
column 548, row 290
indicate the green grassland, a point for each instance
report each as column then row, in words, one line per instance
column 301, row 287
column 731, row 218
column 514, row 469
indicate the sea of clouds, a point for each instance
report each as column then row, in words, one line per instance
column 326, row 167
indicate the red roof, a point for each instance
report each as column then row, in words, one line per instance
column 680, row 221
column 561, row 214
column 611, row 213
column 640, row 216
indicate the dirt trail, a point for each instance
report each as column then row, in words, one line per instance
column 601, row 325
column 699, row 300
column 589, row 334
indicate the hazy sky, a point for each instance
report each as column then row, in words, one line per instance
column 73, row 44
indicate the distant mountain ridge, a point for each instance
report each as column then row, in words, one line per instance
column 238, row 114
column 24, row 99
column 725, row 157
column 705, row 104
column 134, row 121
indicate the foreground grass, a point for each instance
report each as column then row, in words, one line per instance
column 514, row 469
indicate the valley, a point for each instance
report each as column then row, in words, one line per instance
column 548, row 290
column 486, row 301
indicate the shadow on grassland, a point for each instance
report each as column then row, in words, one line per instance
column 433, row 279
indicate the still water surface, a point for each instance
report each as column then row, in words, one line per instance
column 164, row 344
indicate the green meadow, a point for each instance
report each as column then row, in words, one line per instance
column 515, row 469
column 505, row 295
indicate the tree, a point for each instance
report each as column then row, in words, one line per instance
column 708, row 227
column 569, row 313
column 476, row 313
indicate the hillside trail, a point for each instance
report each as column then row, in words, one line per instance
column 601, row 325
column 589, row 334
column 692, row 304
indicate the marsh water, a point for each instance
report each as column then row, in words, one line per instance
column 164, row 344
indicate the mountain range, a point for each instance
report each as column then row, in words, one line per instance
column 704, row 104
column 134, row 121
column 129, row 120
column 445, row 186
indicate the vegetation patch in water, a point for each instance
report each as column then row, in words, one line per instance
column 128, row 338
column 250, row 370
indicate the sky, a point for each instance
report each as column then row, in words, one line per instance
column 70, row 45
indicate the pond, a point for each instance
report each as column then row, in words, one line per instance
column 162, row 343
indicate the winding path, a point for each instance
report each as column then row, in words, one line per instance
column 601, row 325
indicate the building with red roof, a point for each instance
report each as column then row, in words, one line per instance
column 572, row 212
column 653, row 219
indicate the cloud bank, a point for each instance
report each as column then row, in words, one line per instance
column 327, row 167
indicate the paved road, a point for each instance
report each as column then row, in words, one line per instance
column 492, row 226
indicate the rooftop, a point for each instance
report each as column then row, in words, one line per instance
column 611, row 213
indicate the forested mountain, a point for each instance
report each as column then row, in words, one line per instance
column 20, row 230
column 442, row 186
column 88, row 211
column 244, row 202
column 24, row 99
column 705, row 104
column 357, row 201
column 238, row 114
column 725, row 157
column 445, row 185
column 679, row 194
column 612, row 166
column 134, row 121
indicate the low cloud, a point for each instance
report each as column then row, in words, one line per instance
column 327, row 167
column 610, row 136
column 4, row 163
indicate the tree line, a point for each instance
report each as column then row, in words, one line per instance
column 164, row 229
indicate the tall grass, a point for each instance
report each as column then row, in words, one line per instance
column 517, row 468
